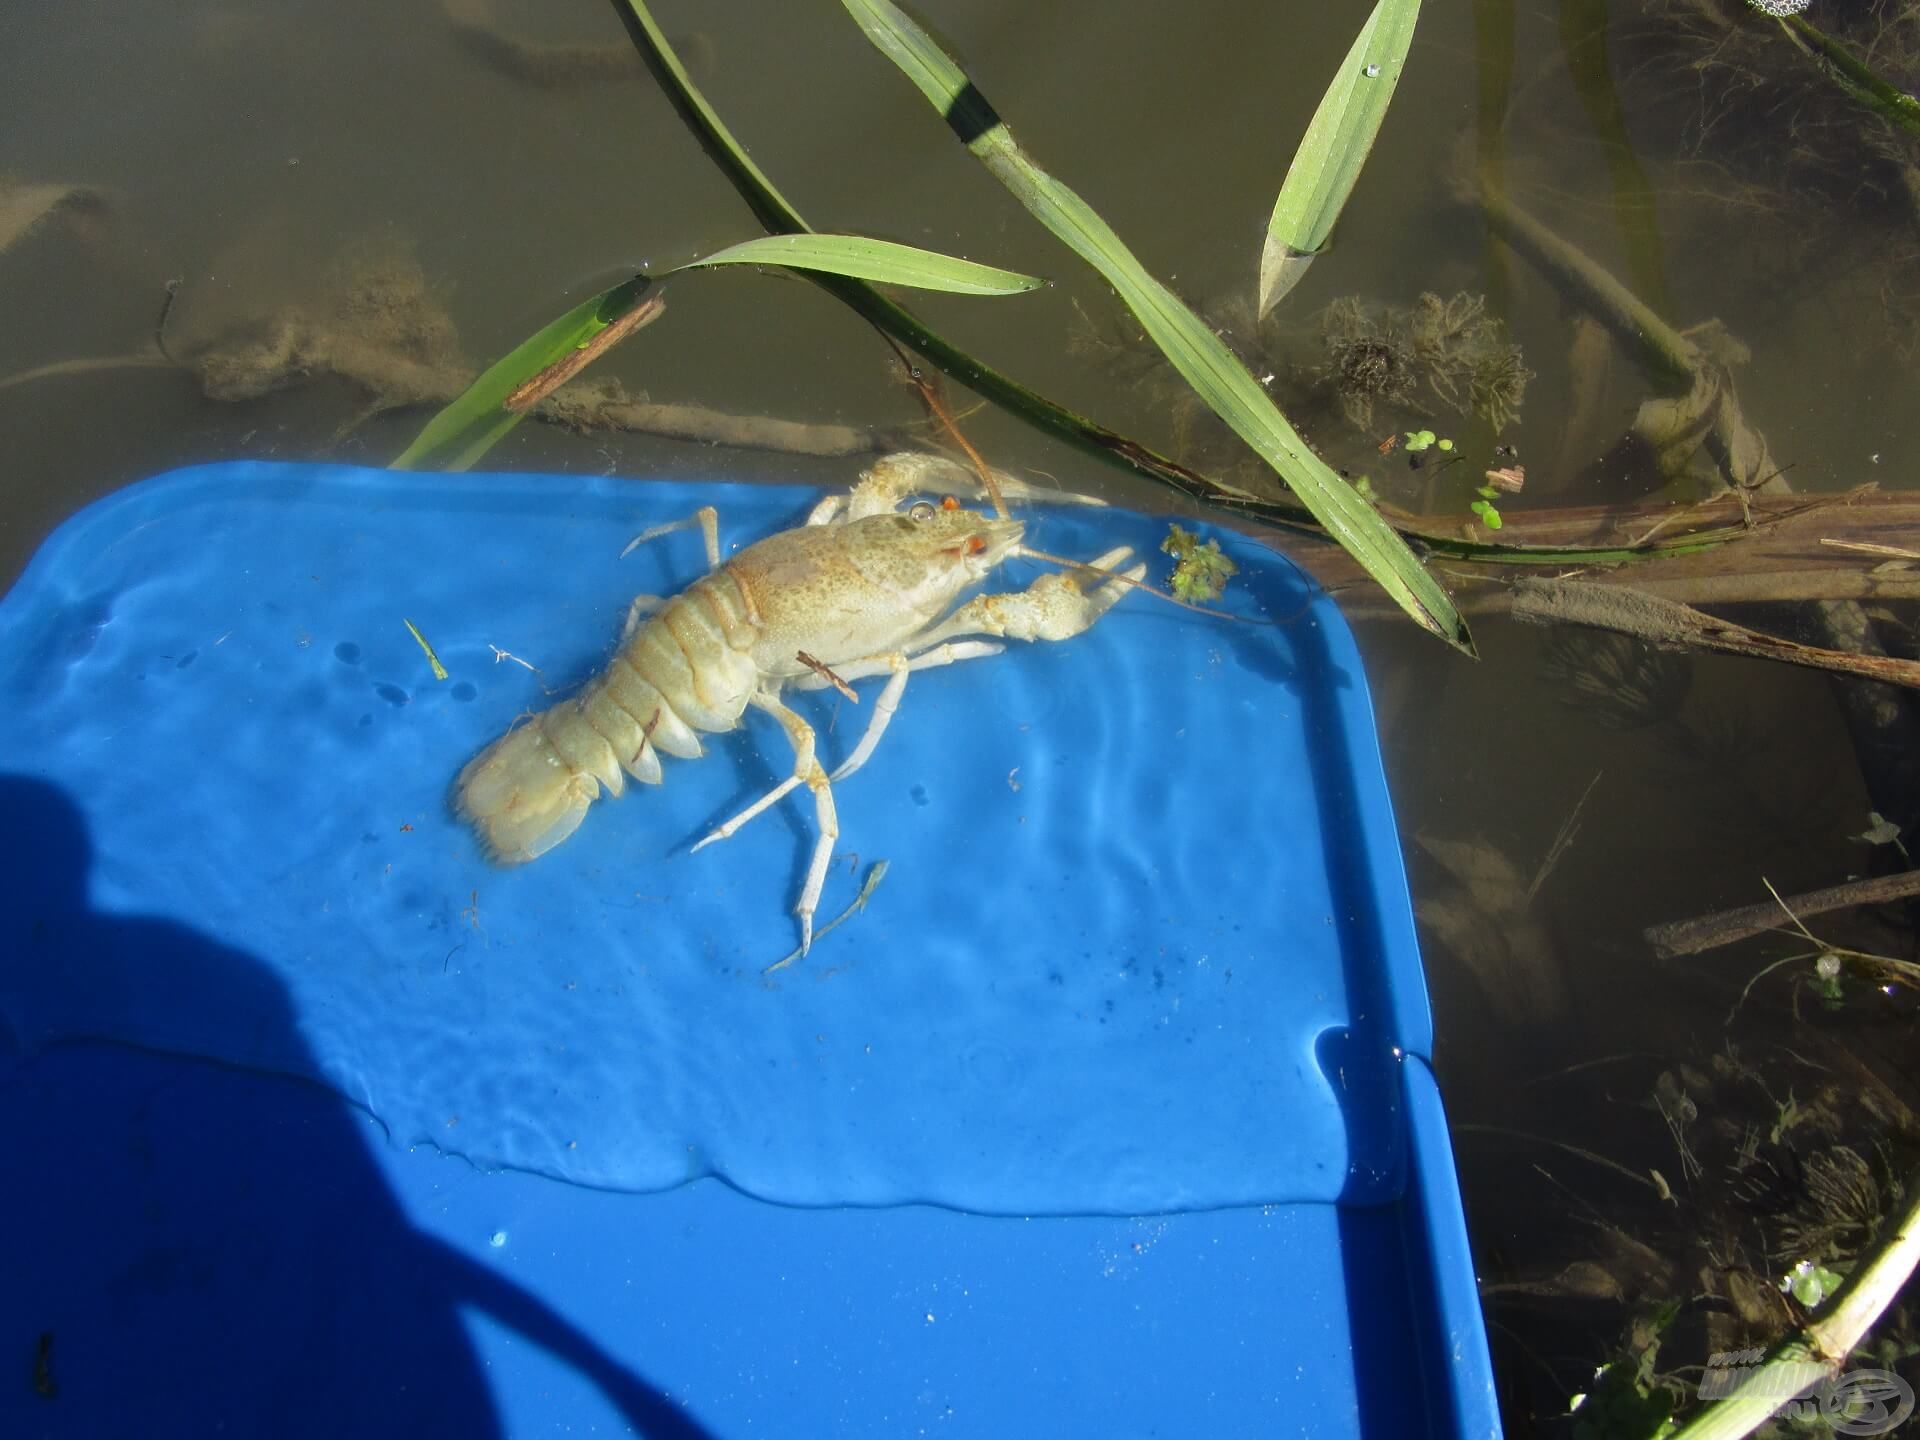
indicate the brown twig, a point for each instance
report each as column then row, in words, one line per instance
column 1891, row 552
column 1723, row 927
column 530, row 393
column 819, row 667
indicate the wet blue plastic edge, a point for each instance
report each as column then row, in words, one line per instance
column 1406, row 980
column 1443, row 1282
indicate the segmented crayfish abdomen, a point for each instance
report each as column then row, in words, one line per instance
column 520, row 795
column 678, row 673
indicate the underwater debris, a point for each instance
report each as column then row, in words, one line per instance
column 1379, row 354
column 24, row 208
column 1771, row 127
column 379, row 329
column 376, row 325
column 1785, row 1198
column 1837, row 1210
column 1482, row 916
column 1615, row 680
column 543, row 65
column 1667, row 622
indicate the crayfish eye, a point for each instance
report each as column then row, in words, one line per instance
column 921, row 511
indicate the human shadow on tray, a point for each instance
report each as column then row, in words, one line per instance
column 194, row 1248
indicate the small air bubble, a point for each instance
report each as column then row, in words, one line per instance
column 497, row 1239
column 1373, row 72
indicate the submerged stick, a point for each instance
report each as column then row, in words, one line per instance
column 530, row 393
column 1666, row 622
column 1853, row 76
column 1724, row 927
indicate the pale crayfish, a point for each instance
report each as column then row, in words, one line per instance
column 862, row 589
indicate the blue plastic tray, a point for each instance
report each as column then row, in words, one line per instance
column 1143, row 950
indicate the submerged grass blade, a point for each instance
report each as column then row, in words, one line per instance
column 1856, row 78
column 1334, row 148
column 490, row 407
column 778, row 214
column 1208, row 365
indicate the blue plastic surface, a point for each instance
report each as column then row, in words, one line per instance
column 1143, row 945
column 220, row 1253
column 1169, row 971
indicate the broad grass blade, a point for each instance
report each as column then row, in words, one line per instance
column 477, row 419
column 1335, row 147
column 880, row 261
column 1208, row 365
column 480, row 417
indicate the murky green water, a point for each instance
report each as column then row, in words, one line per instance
column 265, row 165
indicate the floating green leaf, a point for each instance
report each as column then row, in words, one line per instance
column 439, row 670
column 1199, row 355
column 1335, row 147
column 1200, row 572
column 476, row 420
column 1810, row 1282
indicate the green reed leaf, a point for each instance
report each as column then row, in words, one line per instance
column 1208, row 365
column 1336, row 145
column 476, row 420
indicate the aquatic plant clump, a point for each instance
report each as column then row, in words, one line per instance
column 1808, row 121
column 1451, row 349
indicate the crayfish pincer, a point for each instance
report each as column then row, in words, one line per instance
column 864, row 588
